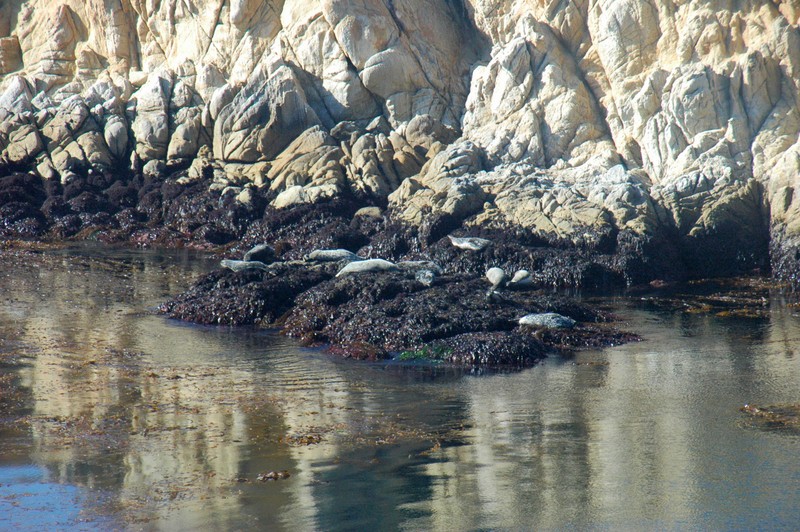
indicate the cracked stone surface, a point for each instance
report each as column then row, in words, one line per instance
column 657, row 117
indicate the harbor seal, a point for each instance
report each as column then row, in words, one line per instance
column 521, row 279
column 548, row 320
column 262, row 253
column 240, row 265
column 496, row 276
column 420, row 265
column 331, row 255
column 470, row 243
column 369, row 265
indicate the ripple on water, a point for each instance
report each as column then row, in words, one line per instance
column 177, row 422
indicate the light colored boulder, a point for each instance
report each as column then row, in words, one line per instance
column 150, row 127
column 647, row 116
column 116, row 136
column 268, row 113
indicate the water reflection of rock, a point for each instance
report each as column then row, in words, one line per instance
column 166, row 416
column 571, row 440
column 162, row 414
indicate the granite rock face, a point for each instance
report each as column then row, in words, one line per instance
column 562, row 119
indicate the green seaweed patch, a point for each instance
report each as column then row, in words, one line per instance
column 436, row 352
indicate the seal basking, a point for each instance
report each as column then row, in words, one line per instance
column 331, row 255
column 497, row 276
column 262, row 253
column 521, row 279
column 548, row 320
column 369, row 265
column 239, row 265
column 469, row 242
column 420, row 265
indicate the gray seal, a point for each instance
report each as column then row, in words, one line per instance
column 548, row 320
column 420, row 265
column 331, row 255
column 240, row 265
column 369, row 265
column 521, row 279
column 262, row 253
column 496, row 276
column 470, row 243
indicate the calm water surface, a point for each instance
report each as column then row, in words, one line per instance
column 112, row 417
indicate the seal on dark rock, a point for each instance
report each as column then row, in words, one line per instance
column 470, row 243
column 262, row 253
column 331, row 255
column 496, row 276
column 420, row 265
column 369, row 265
column 240, row 265
column 548, row 320
column 521, row 279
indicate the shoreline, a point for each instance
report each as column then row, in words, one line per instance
column 372, row 316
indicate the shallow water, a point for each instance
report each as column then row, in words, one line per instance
column 112, row 417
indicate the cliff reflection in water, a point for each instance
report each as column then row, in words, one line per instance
column 169, row 425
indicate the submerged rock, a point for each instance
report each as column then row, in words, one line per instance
column 492, row 349
column 783, row 417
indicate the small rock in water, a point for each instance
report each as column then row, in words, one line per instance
column 331, row 255
column 426, row 277
column 548, row 320
column 273, row 475
column 262, row 252
column 469, row 242
column 496, row 276
column 368, row 266
column 239, row 265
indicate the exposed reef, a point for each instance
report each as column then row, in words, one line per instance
column 593, row 144
column 383, row 313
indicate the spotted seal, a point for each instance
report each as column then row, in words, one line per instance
column 521, row 279
column 262, row 253
column 470, row 243
column 331, row 255
column 369, row 265
column 240, row 265
column 548, row 320
column 497, row 276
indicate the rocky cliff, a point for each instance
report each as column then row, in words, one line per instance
column 575, row 122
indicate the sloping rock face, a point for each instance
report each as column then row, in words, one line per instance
column 670, row 123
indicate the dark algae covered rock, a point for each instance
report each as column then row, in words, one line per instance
column 375, row 315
